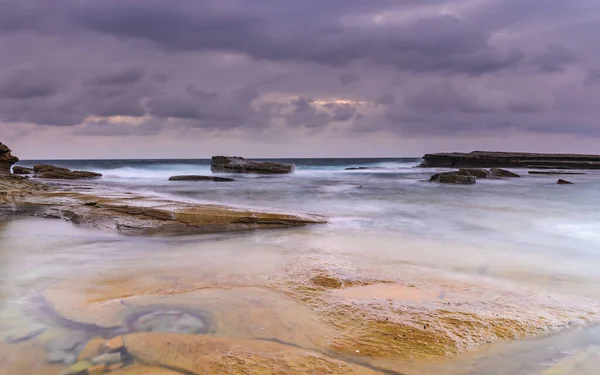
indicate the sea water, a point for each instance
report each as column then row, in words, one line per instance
column 528, row 231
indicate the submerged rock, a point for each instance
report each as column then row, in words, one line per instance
column 17, row 169
column 79, row 368
column 498, row 172
column 6, row 159
column 564, row 182
column 32, row 332
column 58, row 173
column 169, row 321
column 453, row 178
column 61, row 356
column 107, row 358
column 66, row 342
column 236, row 164
column 200, row 178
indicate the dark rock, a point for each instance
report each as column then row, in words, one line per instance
column 6, row 159
column 361, row 168
column 235, row 164
column 479, row 173
column 58, row 173
column 487, row 159
column 17, row 169
column 564, row 182
column 453, row 178
column 553, row 172
column 497, row 172
column 200, row 178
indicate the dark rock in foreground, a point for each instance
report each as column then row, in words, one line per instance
column 563, row 182
column 453, row 178
column 17, row 169
column 497, row 172
column 236, row 164
column 486, row 159
column 479, row 173
column 58, row 173
column 200, row 178
column 6, row 159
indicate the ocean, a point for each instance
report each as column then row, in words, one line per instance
column 385, row 220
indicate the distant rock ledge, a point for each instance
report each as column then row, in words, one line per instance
column 487, row 159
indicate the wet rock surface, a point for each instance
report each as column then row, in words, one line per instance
column 138, row 215
column 236, row 164
column 17, row 169
column 212, row 355
column 498, row 172
column 478, row 173
column 6, row 159
column 453, row 178
column 46, row 171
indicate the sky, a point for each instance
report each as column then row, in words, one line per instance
column 310, row 78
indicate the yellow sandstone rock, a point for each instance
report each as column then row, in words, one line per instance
column 91, row 349
column 200, row 354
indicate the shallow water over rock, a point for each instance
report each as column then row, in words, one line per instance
column 306, row 291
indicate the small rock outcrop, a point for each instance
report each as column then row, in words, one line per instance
column 17, row 169
column 6, row 159
column 479, row 173
column 498, row 172
column 236, row 164
column 564, row 182
column 453, row 178
column 58, row 173
column 200, row 178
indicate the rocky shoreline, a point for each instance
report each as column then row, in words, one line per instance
column 124, row 212
column 487, row 159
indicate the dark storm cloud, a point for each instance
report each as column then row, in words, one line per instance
column 465, row 65
column 211, row 109
column 26, row 84
column 348, row 78
column 307, row 113
column 122, row 77
column 445, row 97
